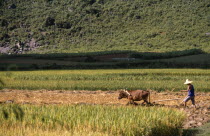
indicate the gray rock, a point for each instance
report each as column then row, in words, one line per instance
column 4, row 50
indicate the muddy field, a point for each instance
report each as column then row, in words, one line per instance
column 196, row 116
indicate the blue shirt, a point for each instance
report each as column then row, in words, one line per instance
column 191, row 90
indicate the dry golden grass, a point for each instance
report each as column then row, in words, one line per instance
column 29, row 131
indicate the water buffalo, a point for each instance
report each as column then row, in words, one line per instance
column 136, row 95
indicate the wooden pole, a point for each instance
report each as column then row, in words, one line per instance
column 167, row 100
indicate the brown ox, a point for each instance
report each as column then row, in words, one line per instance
column 136, row 95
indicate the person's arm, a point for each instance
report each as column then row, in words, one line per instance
column 186, row 90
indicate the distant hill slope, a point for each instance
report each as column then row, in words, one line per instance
column 50, row 26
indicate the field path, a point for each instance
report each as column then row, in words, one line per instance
column 196, row 117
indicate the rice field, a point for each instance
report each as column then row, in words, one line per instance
column 26, row 120
column 98, row 120
column 114, row 79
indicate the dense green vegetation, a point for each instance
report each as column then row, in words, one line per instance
column 89, row 120
column 155, row 79
column 106, row 60
column 74, row 26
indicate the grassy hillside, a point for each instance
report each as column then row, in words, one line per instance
column 50, row 26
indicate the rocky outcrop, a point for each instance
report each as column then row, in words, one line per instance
column 19, row 47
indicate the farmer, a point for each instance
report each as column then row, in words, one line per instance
column 191, row 95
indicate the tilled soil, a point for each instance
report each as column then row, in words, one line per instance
column 196, row 116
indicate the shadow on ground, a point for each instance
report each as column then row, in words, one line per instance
column 194, row 58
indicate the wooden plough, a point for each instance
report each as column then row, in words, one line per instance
column 167, row 100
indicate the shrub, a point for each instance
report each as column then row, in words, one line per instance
column 65, row 25
column 12, row 67
column 49, row 21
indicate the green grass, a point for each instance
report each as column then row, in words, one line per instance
column 107, row 25
column 98, row 120
column 204, row 130
column 200, row 131
column 155, row 79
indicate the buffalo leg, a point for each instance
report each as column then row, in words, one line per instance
column 146, row 102
column 131, row 102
